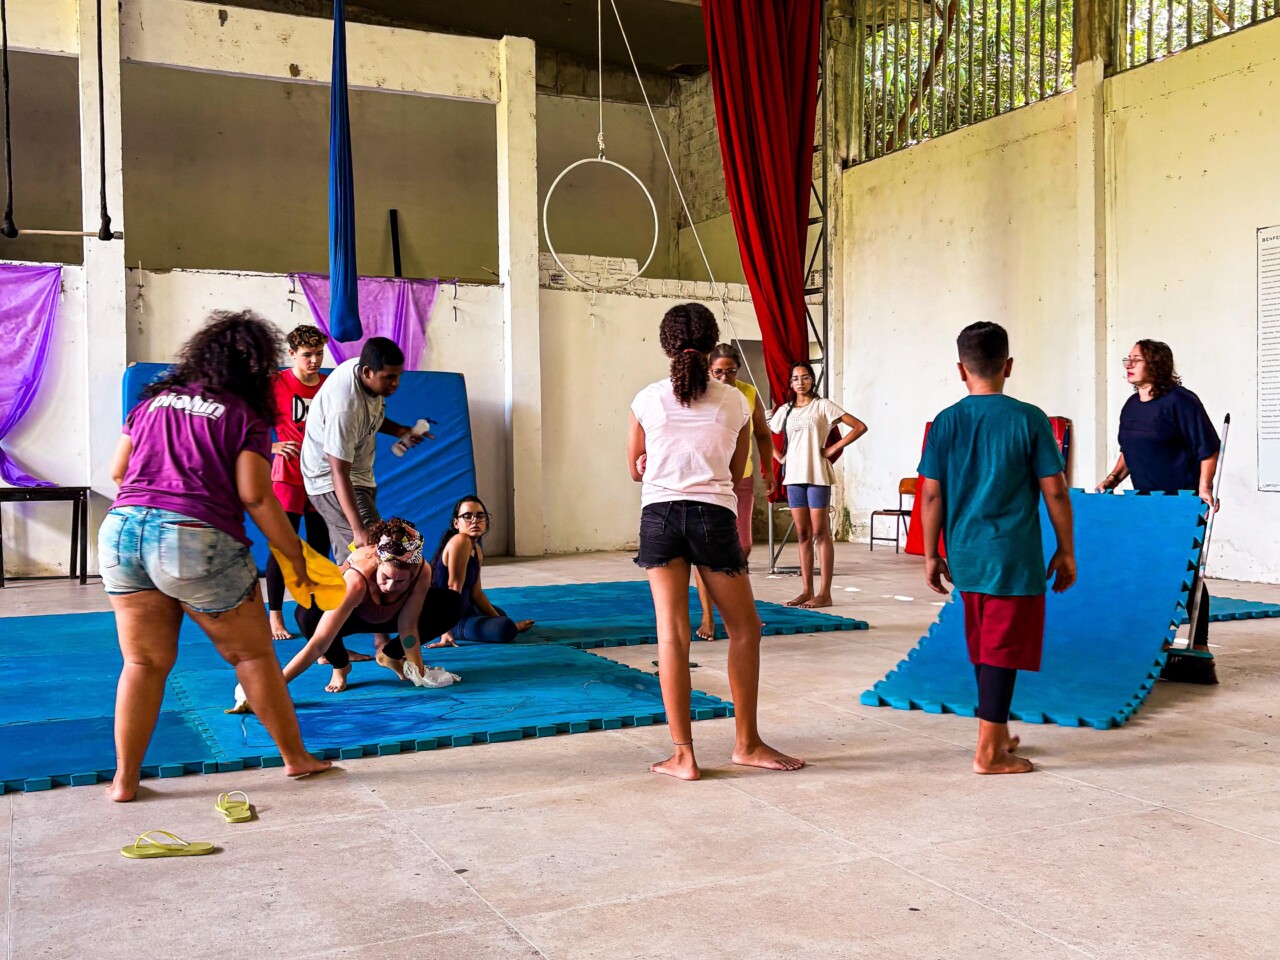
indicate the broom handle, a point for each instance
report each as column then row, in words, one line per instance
column 1193, row 607
column 1217, row 485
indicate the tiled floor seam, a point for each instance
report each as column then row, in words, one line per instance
column 941, row 886
column 461, row 879
column 333, row 951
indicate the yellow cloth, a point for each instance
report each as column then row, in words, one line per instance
column 330, row 587
column 749, row 391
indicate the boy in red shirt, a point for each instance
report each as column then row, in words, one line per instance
column 292, row 393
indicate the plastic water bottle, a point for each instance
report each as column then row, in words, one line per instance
column 420, row 429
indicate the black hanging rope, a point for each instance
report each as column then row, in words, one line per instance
column 7, row 227
column 104, row 231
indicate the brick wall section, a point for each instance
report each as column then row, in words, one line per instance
column 697, row 151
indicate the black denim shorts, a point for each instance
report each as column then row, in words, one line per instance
column 704, row 534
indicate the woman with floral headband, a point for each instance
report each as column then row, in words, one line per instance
column 386, row 586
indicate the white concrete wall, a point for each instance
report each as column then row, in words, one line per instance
column 51, row 444
column 166, row 308
column 1193, row 142
column 594, row 360
column 971, row 226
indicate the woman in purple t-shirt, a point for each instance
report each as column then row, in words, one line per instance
column 195, row 455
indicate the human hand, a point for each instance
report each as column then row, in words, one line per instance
column 642, row 461
column 411, row 439
column 286, row 448
column 360, row 537
column 935, row 571
column 1206, row 494
column 446, row 640
column 1062, row 571
column 301, row 579
column 770, row 485
column 1104, row 486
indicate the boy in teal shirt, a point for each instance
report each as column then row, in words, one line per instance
column 986, row 463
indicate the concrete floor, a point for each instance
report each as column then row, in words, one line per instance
column 1158, row 840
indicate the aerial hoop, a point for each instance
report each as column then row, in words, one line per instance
column 551, row 247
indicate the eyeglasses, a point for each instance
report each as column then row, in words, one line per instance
column 721, row 374
column 1133, row 361
column 802, row 379
column 482, row 517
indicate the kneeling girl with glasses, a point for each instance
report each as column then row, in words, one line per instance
column 456, row 566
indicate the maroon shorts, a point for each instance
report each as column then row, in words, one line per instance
column 1004, row 631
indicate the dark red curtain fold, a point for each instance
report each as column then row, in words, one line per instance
column 764, row 76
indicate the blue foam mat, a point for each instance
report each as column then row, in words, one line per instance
column 1222, row 609
column 610, row 614
column 1104, row 637
column 57, row 727
column 423, row 485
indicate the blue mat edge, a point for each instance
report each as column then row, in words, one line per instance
column 379, row 748
column 871, row 698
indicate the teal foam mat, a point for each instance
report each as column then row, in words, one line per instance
column 1104, row 638
column 588, row 615
column 55, row 726
column 1222, row 609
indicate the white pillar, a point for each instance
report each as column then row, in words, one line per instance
column 518, row 270
column 104, row 273
column 1090, row 435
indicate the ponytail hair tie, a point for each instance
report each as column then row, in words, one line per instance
column 691, row 350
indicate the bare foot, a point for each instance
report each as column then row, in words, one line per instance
column 680, row 766
column 338, row 682
column 705, row 631
column 523, row 625
column 120, row 791
column 1003, row 762
column 1012, row 744
column 278, row 630
column 763, row 755
column 358, row 657
column 821, row 600
column 395, row 666
column 307, row 767
column 801, row 600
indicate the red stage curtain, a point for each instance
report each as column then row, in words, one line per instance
column 764, row 75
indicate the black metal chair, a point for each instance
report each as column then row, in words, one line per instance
column 901, row 517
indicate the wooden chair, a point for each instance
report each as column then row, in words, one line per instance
column 901, row 516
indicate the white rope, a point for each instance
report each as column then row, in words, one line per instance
column 600, row 74
column 724, row 296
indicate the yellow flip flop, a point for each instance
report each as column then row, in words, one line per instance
column 236, row 811
column 148, row 848
column 330, row 588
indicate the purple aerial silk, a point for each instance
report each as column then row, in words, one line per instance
column 394, row 308
column 28, row 304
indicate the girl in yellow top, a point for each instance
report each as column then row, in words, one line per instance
column 726, row 361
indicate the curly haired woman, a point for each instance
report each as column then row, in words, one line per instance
column 195, row 455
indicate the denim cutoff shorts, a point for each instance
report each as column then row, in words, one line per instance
column 142, row 548
column 704, row 534
column 812, row 495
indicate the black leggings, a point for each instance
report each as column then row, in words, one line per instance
column 317, row 539
column 995, row 692
column 441, row 609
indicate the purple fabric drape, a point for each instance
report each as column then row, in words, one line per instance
column 28, row 304
column 394, row 308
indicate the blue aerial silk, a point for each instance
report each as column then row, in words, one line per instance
column 344, row 303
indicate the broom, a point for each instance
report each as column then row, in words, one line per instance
column 1186, row 664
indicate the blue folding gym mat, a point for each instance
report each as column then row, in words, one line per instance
column 614, row 614
column 56, row 724
column 423, row 485
column 1104, row 638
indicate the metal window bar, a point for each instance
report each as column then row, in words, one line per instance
column 927, row 67
column 1154, row 31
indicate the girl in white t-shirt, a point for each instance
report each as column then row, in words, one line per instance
column 688, row 439
column 808, row 421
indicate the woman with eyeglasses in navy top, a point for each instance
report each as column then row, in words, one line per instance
column 1167, row 443
column 457, row 566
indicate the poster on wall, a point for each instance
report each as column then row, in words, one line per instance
column 1269, row 358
